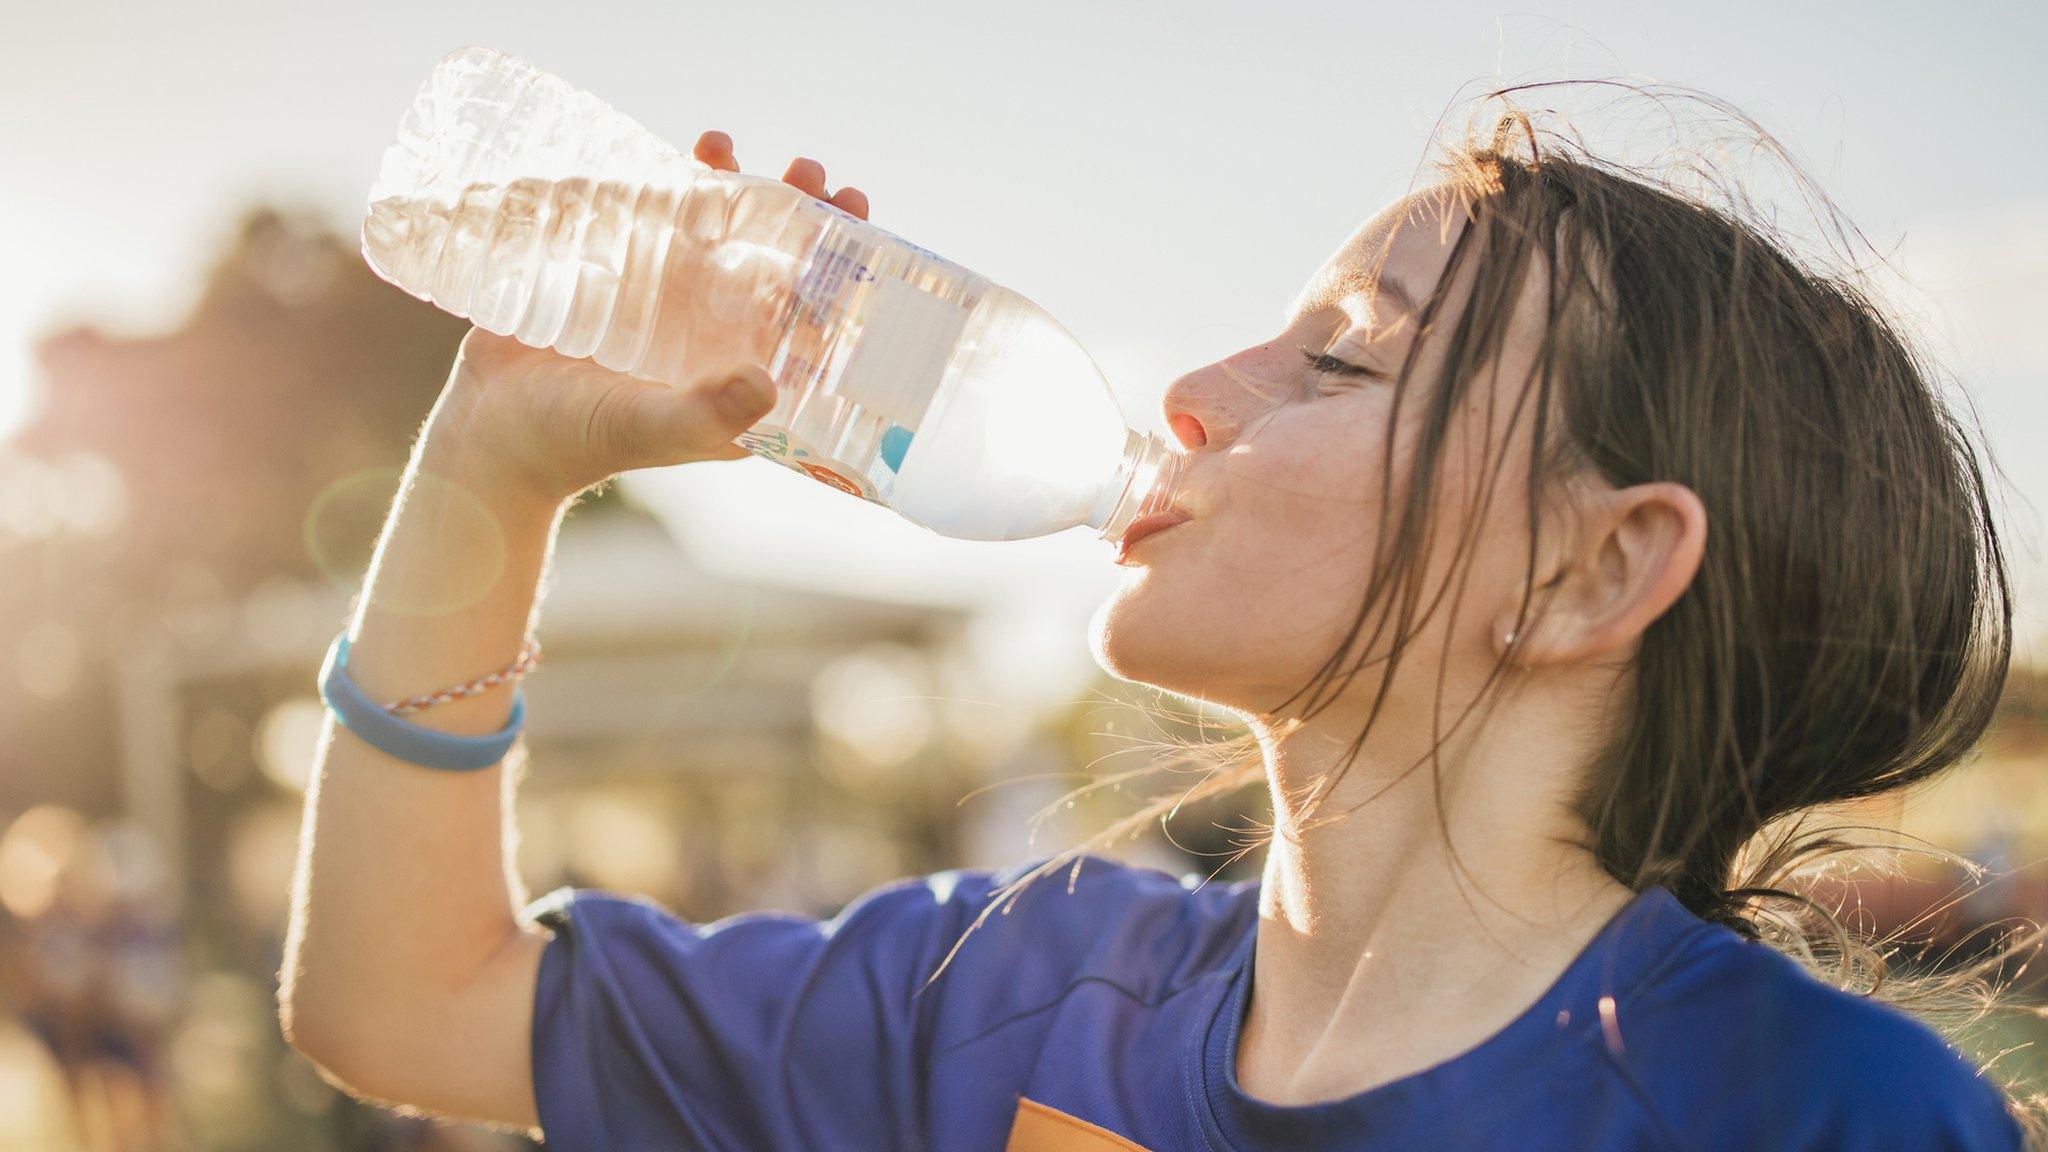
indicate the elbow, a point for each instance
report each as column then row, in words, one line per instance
column 326, row 1028
column 336, row 1011
column 339, row 1045
column 308, row 1024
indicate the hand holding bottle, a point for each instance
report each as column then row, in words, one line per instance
column 547, row 216
column 554, row 425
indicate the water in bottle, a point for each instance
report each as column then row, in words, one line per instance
column 538, row 211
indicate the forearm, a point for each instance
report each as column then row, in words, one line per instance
column 405, row 885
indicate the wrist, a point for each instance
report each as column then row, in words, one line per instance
column 510, row 495
column 460, row 448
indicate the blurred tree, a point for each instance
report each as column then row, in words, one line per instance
column 297, row 382
column 297, row 369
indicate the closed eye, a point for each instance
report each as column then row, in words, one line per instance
column 1324, row 362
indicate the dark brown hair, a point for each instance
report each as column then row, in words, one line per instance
column 1849, row 630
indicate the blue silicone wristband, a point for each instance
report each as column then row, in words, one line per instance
column 407, row 741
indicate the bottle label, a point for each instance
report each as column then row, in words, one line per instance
column 907, row 338
column 828, row 281
column 872, row 334
column 777, row 444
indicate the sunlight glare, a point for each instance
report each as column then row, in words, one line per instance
column 20, row 392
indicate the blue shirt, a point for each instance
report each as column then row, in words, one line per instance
column 1107, row 1018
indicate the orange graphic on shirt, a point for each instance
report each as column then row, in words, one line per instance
column 1042, row 1129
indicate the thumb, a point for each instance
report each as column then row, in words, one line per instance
column 697, row 421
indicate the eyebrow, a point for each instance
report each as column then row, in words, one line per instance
column 1392, row 289
column 1400, row 294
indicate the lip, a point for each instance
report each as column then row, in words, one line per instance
column 1145, row 526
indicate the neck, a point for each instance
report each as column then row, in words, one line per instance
column 1420, row 921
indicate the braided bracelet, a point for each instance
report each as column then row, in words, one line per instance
column 529, row 655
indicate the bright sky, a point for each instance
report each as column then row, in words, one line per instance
column 1160, row 176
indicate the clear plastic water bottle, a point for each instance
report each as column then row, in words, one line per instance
column 540, row 212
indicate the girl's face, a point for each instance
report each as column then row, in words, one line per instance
column 1244, row 603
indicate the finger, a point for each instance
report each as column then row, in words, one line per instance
column 661, row 425
column 853, row 200
column 715, row 148
column 806, row 174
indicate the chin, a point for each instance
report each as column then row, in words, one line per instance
column 1218, row 650
column 1133, row 637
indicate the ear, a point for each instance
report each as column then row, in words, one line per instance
column 1638, row 550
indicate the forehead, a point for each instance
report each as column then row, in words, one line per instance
column 1402, row 251
column 1407, row 242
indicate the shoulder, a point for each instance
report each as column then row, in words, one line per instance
column 1093, row 915
column 650, row 1030
column 1040, row 942
column 1738, row 1043
column 1027, row 927
column 1090, row 917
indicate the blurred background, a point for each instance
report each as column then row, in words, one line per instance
column 758, row 692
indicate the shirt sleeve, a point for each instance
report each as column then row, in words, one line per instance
column 1912, row 1095
column 1752, row 1053
column 764, row 1031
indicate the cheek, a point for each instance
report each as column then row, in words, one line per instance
column 1477, row 559
column 1258, row 595
column 1302, row 506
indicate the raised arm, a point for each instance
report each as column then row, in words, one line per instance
column 406, row 975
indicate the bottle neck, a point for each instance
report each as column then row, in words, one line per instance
column 1146, row 482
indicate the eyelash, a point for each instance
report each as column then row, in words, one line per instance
column 1324, row 362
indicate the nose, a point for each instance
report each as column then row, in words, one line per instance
column 1211, row 405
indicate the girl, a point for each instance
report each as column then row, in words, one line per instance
column 1567, row 538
